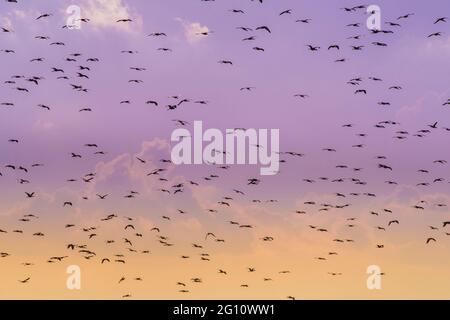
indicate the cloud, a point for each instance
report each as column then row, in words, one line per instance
column 192, row 30
column 205, row 196
column 446, row 44
column 105, row 13
column 436, row 44
column 7, row 19
column 25, row 14
column 20, row 14
column 130, row 169
column 6, row 22
column 43, row 125
column 17, row 209
column 16, row 18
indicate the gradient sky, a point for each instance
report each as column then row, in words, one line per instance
column 412, row 60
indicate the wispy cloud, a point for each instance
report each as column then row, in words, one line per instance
column 6, row 22
column 193, row 30
column 105, row 13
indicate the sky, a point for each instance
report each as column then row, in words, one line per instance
column 190, row 70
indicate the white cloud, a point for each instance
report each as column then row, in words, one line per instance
column 43, row 125
column 193, row 30
column 16, row 14
column 131, row 170
column 447, row 43
column 105, row 13
column 20, row 14
column 6, row 22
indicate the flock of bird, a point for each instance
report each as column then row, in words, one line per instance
column 80, row 81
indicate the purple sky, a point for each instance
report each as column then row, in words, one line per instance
column 412, row 60
column 191, row 70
